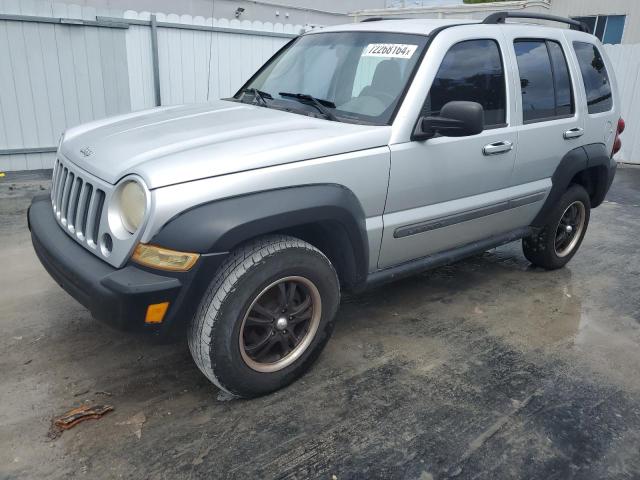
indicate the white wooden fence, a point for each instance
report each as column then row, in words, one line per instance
column 198, row 65
column 54, row 76
column 626, row 63
column 74, row 64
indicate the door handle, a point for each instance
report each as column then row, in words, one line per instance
column 497, row 147
column 573, row 133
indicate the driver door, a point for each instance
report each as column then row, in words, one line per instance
column 446, row 192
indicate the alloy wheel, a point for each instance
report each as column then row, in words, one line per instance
column 569, row 230
column 280, row 324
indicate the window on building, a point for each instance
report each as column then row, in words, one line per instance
column 472, row 71
column 544, row 80
column 595, row 77
column 608, row 28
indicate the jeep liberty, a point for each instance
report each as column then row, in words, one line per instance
column 356, row 155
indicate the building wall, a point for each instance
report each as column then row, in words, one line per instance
column 418, row 3
column 475, row 11
column 630, row 8
column 565, row 8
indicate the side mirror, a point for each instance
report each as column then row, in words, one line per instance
column 456, row 119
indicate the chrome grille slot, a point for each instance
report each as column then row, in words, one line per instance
column 97, row 215
column 60, row 189
column 64, row 208
column 54, row 177
column 73, row 203
column 83, row 210
column 94, row 210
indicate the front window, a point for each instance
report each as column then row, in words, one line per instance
column 355, row 77
column 471, row 71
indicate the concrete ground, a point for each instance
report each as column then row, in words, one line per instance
column 485, row 369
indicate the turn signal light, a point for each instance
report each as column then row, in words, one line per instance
column 156, row 312
column 163, row 258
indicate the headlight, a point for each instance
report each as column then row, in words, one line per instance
column 163, row 258
column 127, row 208
column 133, row 205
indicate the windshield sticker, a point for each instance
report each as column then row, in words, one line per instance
column 390, row 50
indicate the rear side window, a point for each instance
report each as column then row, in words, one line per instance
column 545, row 83
column 472, row 71
column 561, row 80
column 595, row 77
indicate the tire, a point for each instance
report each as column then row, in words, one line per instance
column 548, row 248
column 236, row 312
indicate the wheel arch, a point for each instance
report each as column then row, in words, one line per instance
column 598, row 176
column 589, row 166
column 328, row 216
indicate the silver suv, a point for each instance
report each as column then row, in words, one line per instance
column 356, row 155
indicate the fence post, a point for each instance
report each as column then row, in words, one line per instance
column 156, row 64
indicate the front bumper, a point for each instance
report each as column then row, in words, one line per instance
column 119, row 297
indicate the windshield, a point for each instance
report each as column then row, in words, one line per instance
column 343, row 76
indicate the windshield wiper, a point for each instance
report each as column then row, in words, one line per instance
column 320, row 104
column 258, row 95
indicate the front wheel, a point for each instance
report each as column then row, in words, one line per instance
column 266, row 316
column 558, row 241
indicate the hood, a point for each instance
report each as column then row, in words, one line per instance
column 178, row 144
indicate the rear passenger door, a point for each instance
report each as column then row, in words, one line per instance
column 550, row 122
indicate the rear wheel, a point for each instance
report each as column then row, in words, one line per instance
column 266, row 316
column 558, row 241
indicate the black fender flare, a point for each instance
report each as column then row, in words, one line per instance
column 220, row 225
column 575, row 161
column 598, row 156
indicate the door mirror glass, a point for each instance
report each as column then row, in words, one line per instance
column 456, row 119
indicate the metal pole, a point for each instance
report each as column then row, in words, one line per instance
column 156, row 64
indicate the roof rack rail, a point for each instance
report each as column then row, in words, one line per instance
column 379, row 19
column 500, row 17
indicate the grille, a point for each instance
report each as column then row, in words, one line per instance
column 77, row 203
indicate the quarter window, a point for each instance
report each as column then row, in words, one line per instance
column 595, row 77
column 545, row 83
column 472, row 71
